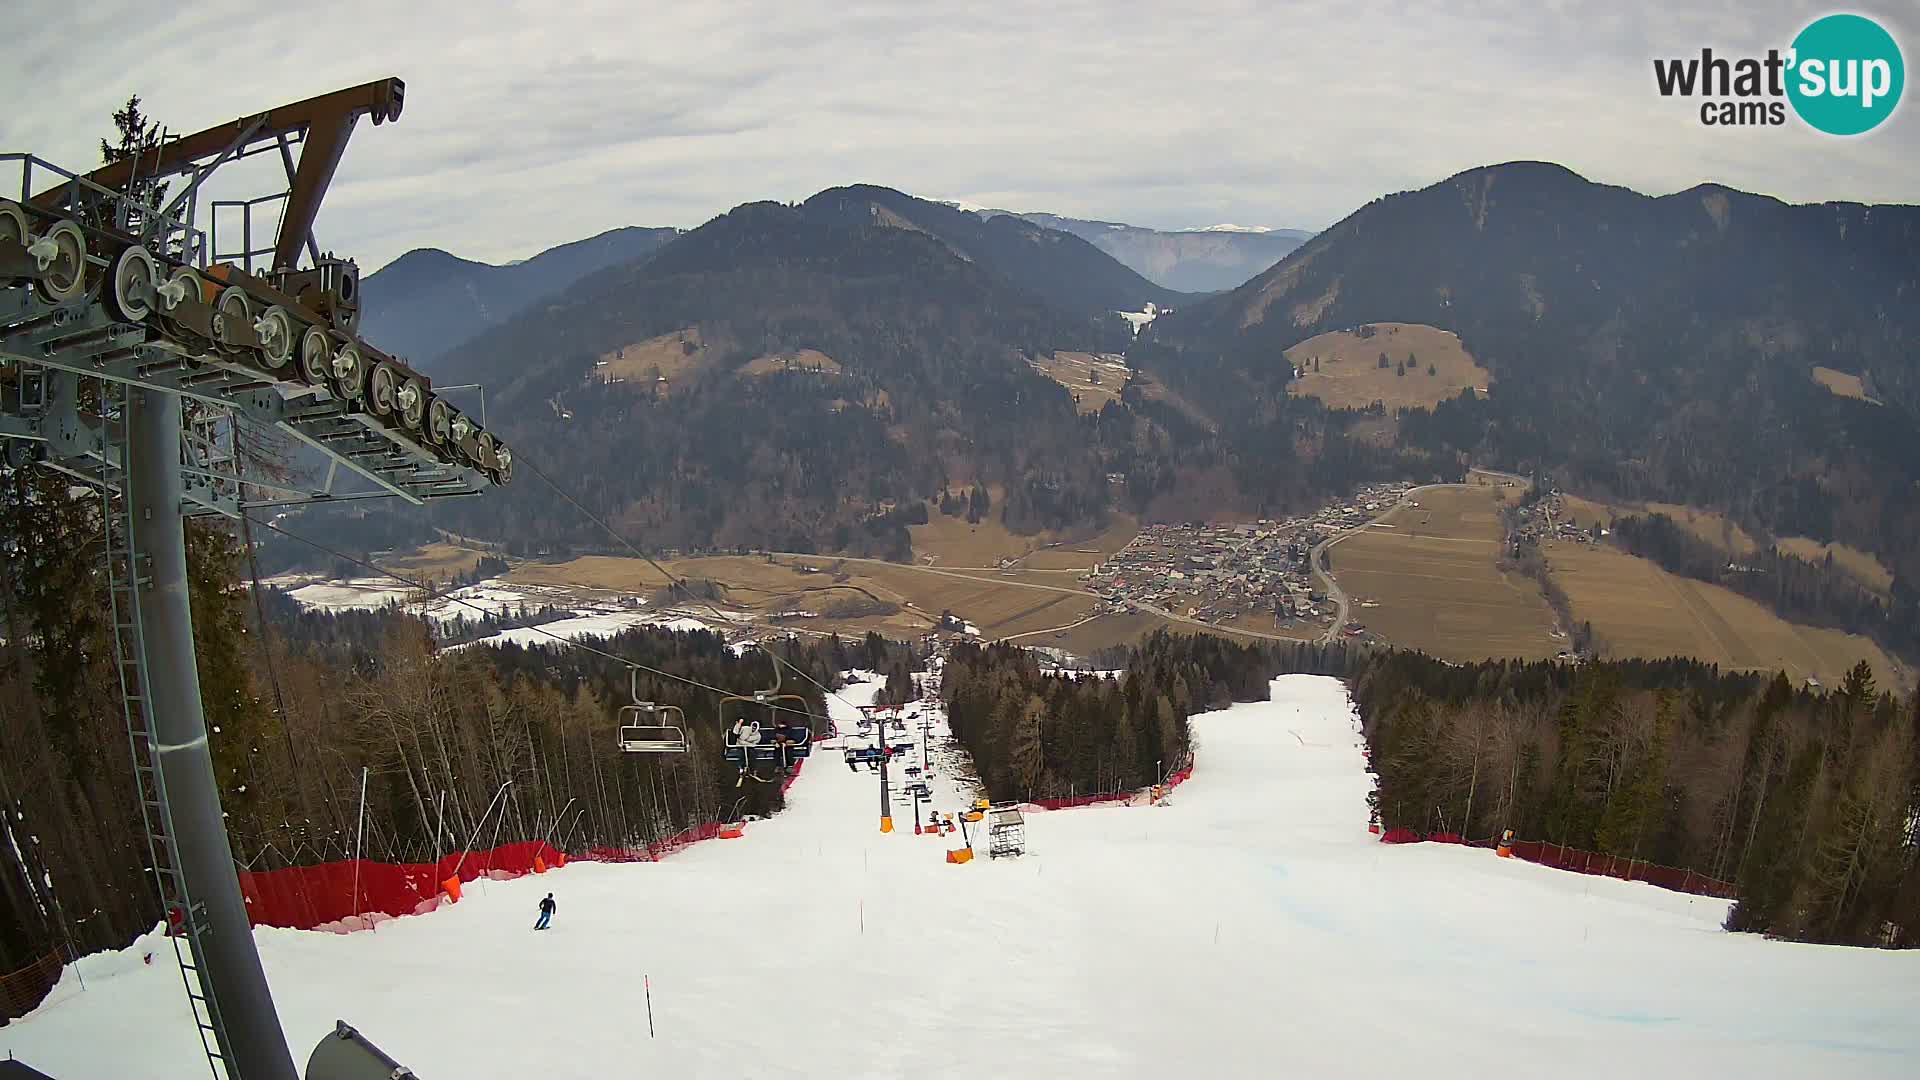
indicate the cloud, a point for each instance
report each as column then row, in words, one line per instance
column 527, row 127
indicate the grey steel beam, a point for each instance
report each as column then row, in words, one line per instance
column 230, row 962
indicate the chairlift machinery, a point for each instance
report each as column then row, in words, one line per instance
column 96, row 284
column 133, row 345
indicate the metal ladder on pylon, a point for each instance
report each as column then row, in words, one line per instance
column 124, row 582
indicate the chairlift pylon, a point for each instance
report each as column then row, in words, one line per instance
column 647, row 727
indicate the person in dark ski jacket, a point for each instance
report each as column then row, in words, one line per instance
column 546, row 912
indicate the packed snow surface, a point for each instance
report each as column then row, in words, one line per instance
column 1252, row 928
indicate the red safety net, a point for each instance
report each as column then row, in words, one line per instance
column 1676, row 878
column 307, row 897
column 1591, row 862
column 1073, row 802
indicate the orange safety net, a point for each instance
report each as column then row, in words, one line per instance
column 22, row 990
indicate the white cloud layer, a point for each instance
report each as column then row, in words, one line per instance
column 530, row 124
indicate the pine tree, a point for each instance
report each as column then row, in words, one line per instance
column 1026, row 750
column 136, row 136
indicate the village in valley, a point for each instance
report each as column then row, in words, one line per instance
column 1218, row 572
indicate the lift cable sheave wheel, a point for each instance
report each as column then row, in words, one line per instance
column 133, row 350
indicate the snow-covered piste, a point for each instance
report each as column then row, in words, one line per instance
column 1250, row 928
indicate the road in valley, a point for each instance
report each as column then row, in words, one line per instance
column 1334, row 592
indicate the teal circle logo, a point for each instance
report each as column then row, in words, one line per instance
column 1846, row 74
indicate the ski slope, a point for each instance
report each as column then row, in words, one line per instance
column 1251, row 928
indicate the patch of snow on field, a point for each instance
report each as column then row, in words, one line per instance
column 1252, row 928
column 348, row 594
column 1138, row 319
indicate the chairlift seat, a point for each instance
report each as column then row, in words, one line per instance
column 653, row 739
column 641, row 731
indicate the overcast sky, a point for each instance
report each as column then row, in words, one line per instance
column 532, row 124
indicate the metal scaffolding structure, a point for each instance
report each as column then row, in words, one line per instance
column 131, row 360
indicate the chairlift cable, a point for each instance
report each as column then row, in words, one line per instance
column 522, row 459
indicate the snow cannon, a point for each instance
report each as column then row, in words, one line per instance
column 1505, row 850
column 960, row 855
column 733, row 830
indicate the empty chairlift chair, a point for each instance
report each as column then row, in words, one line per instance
column 649, row 728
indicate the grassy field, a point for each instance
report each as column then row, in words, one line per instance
column 1859, row 565
column 1426, row 579
column 668, row 356
column 1720, row 531
column 1105, row 631
column 998, row 606
column 1841, row 383
column 1350, row 375
column 952, row 541
column 1638, row 609
column 1093, row 380
column 804, row 360
column 1709, row 525
column 1078, row 553
column 436, row 560
column 1129, row 627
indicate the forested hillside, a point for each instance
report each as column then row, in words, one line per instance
column 1641, row 348
column 1819, row 593
column 829, row 372
column 427, row 302
column 1059, row 266
column 299, row 702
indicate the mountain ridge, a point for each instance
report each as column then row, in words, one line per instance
column 1200, row 260
column 1641, row 346
column 429, row 300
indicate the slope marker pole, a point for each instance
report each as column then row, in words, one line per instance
column 647, row 980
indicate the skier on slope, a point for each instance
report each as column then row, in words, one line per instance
column 546, row 912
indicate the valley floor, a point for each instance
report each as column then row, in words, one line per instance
column 1250, row 928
